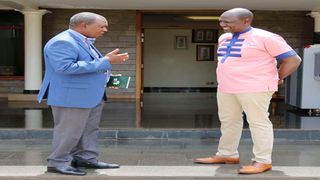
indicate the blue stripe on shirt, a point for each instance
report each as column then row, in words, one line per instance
column 229, row 49
column 285, row 55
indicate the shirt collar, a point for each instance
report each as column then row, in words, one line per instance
column 242, row 32
column 89, row 40
column 83, row 38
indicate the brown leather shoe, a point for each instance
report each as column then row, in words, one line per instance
column 255, row 168
column 217, row 160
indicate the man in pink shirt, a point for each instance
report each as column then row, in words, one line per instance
column 247, row 77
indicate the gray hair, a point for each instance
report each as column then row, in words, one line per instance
column 83, row 17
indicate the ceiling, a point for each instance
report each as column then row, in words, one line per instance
column 285, row 5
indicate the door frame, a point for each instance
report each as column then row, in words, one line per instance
column 139, row 57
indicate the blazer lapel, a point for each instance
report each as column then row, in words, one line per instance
column 98, row 52
column 84, row 46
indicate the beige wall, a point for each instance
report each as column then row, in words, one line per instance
column 166, row 66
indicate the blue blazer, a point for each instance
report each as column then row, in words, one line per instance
column 74, row 76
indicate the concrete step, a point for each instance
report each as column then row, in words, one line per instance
column 143, row 133
column 162, row 172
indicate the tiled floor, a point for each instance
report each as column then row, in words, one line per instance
column 162, row 159
column 159, row 110
column 158, row 158
column 159, row 152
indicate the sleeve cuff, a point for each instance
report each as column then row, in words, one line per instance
column 285, row 55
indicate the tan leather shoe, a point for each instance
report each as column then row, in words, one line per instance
column 255, row 168
column 217, row 160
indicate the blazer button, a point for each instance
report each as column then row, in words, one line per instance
column 105, row 86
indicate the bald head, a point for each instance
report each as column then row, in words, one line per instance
column 236, row 20
column 241, row 13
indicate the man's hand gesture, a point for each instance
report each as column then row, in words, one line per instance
column 115, row 57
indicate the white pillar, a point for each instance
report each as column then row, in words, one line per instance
column 33, row 119
column 33, row 49
column 316, row 16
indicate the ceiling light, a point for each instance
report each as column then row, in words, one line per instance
column 202, row 17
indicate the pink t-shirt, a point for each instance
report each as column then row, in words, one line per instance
column 248, row 61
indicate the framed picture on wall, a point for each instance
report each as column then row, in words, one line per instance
column 204, row 35
column 205, row 52
column 181, row 42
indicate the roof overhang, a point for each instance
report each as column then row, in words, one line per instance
column 277, row 5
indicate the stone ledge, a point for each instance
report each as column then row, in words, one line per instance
column 22, row 97
column 163, row 134
column 3, row 95
column 33, row 97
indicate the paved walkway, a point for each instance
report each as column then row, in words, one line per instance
column 161, row 159
column 219, row 171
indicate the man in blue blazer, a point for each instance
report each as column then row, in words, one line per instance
column 74, row 86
